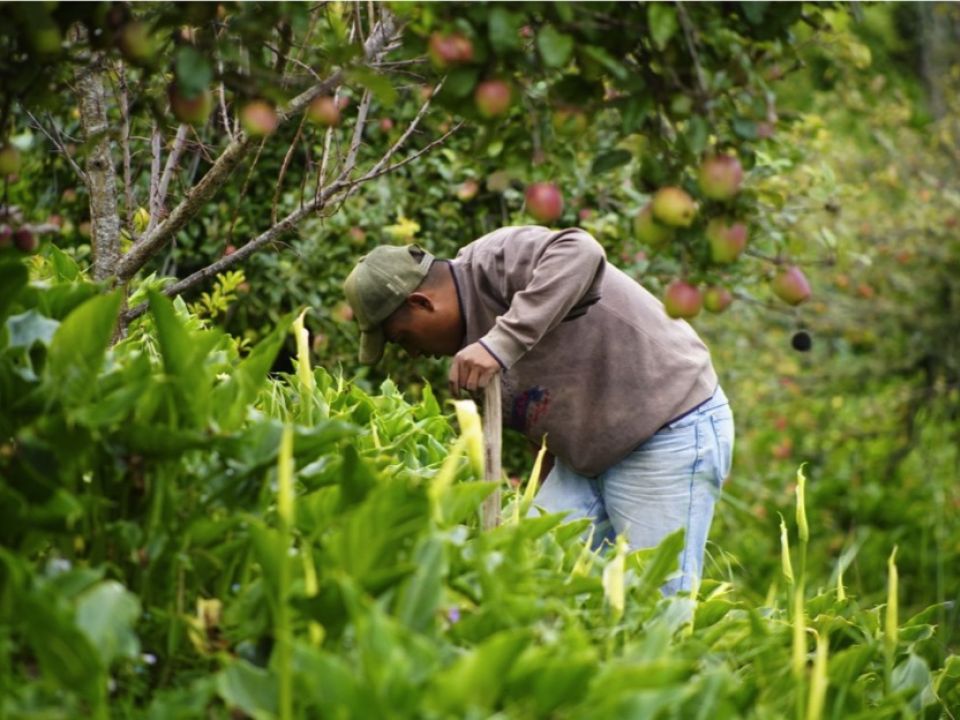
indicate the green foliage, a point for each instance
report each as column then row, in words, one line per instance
column 194, row 551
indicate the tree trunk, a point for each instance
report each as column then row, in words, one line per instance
column 101, row 174
column 940, row 33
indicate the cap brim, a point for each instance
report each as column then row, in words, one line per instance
column 371, row 346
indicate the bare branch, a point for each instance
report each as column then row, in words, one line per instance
column 58, row 144
column 408, row 132
column 173, row 159
column 340, row 185
column 216, row 176
column 124, row 102
column 283, row 170
column 691, row 41
column 156, row 144
column 358, row 131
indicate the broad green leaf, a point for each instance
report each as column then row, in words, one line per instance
column 846, row 665
column 421, row 593
column 231, row 398
column 249, row 688
column 462, row 500
column 610, row 160
column 660, row 562
column 64, row 652
column 106, row 614
column 476, row 680
column 13, row 277
column 27, row 328
column 380, row 85
column 78, row 348
column 662, row 17
column 754, row 11
column 460, row 82
column 64, row 266
column 503, row 28
column 555, row 47
column 551, row 680
column 356, row 477
column 270, row 549
column 193, row 71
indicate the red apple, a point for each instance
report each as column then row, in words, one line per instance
column 386, row 124
column 672, row 206
column 467, row 190
column 790, row 285
column 258, row 118
column 716, row 298
column 194, row 109
column 720, row 177
column 682, row 300
column 25, row 240
column 357, row 236
column 765, row 130
column 449, row 49
column 323, row 110
column 9, row 160
column 229, row 250
column 544, row 201
column 649, row 231
column 727, row 239
column 492, row 98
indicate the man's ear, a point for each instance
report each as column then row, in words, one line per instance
column 420, row 301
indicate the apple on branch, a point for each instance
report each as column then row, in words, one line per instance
column 682, row 300
column 544, row 201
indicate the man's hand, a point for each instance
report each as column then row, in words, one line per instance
column 472, row 369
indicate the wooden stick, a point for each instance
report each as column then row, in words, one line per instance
column 491, row 451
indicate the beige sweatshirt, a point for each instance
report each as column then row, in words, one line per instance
column 590, row 358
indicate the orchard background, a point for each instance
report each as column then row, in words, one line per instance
column 210, row 510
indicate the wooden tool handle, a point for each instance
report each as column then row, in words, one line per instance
column 491, row 451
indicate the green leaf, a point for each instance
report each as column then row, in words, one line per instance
column 754, row 11
column 356, row 477
column 421, row 593
column 660, row 562
column 79, row 345
column 380, row 85
column 27, row 328
column 249, row 688
column 746, row 129
column 463, row 499
column 269, row 548
column 64, row 652
column 460, row 82
column 555, row 47
column 64, row 266
column 662, row 17
column 503, row 28
column 476, row 680
column 13, row 277
column 106, row 614
column 610, row 160
column 193, row 70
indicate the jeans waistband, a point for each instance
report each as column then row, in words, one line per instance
column 718, row 399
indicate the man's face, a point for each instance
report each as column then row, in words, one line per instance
column 422, row 327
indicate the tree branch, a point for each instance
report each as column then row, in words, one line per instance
column 156, row 144
column 173, row 159
column 216, row 176
column 124, row 102
column 340, row 185
column 58, row 144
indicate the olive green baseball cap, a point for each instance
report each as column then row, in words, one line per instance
column 377, row 286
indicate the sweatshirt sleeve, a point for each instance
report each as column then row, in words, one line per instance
column 564, row 267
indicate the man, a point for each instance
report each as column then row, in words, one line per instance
column 627, row 397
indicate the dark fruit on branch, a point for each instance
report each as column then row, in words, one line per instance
column 801, row 341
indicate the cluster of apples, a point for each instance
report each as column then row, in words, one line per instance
column 493, row 96
column 719, row 179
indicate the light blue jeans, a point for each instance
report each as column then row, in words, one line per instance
column 671, row 481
